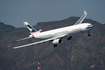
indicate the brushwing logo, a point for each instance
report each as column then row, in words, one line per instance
column 30, row 28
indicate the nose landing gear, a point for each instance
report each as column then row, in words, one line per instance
column 89, row 34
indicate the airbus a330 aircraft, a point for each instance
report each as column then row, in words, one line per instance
column 55, row 36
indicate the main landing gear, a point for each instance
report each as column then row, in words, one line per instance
column 69, row 38
column 55, row 45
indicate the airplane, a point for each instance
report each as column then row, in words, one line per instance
column 55, row 36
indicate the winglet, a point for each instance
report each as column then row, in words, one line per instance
column 85, row 12
column 11, row 47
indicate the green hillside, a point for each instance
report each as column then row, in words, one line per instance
column 80, row 53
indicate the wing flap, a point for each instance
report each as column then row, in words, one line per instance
column 39, row 42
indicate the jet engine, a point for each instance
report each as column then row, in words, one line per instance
column 31, row 36
column 57, row 41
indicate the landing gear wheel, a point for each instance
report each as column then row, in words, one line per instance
column 55, row 45
column 89, row 35
column 69, row 38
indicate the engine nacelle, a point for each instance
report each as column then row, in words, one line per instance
column 31, row 36
column 57, row 41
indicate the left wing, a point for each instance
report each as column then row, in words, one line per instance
column 81, row 19
column 39, row 42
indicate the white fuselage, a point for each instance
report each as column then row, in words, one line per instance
column 69, row 31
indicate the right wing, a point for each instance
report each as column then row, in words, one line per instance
column 39, row 42
column 81, row 19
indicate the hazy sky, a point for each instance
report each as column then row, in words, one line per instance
column 15, row 12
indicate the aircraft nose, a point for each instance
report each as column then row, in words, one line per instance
column 90, row 27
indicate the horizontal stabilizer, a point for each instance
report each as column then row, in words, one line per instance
column 24, row 38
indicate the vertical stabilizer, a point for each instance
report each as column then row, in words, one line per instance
column 30, row 28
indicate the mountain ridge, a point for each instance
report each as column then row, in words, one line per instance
column 82, row 52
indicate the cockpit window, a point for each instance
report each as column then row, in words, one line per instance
column 90, row 26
